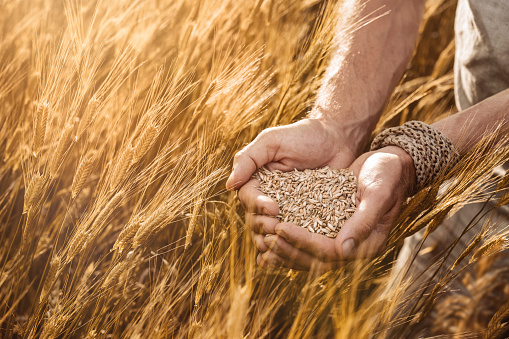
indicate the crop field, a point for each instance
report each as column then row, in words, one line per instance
column 119, row 121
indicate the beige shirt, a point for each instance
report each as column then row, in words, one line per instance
column 482, row 50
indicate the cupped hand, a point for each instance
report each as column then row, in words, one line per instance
column 384, row 180
column 309, row 143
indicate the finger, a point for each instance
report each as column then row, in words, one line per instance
column 316, row 245
column 259, row 152
column 259, row 243
column 271, row 259
column 261, row 224
column 372, row 207
column 289, row 253
column 254, row 200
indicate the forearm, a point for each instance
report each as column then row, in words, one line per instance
column 468, row 127
column 366, row 65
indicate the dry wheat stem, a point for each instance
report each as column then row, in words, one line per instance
column 192, row 223
column 33, row 192
column 127, row 234
column 319, row 200
column 41, row 122
column 59, row 155
column 489, row 248
column 145, row 142
column 124, row 163
column 82, row 173
column 51, row 277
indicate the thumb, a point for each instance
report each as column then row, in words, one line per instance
column 372, row 207
column 258, row 153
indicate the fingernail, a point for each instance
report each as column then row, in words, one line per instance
column 348, row 247
column 269, row 239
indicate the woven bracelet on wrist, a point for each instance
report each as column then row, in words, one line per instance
column 432, row 152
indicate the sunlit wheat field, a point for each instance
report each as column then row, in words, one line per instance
column 118, row 125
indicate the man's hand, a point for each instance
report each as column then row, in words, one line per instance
column 309, row 143
column 384, row 179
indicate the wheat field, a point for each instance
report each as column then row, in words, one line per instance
column 118, row 125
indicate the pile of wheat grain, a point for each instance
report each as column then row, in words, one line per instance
column 319, row 200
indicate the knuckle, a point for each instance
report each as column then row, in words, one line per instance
column 363, row 229
column 266, row 132
column 267, row 228
column 238, row 155
column 293, row 254
column 273, row 260
column 260, row 246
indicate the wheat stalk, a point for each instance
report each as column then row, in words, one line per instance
column 82, row 173
column 145, row 141
column 33, row 192
column 123, row 165
column 114, row 274
column 51, row 277
column 63, row 144
column 489, row 248
column 127, row 234
column 41, row 122
column 192, row 223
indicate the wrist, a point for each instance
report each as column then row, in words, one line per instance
column 350, row 134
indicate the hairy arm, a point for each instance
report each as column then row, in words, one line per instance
column 367, row 64
column 468, row 127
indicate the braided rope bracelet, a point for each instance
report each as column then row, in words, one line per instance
column 432, row 152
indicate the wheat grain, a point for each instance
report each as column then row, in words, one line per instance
column 108, row 209
column 437, row 220
column 150, row 225
column 504, row 200
column 468, row 250
column 319, row 200
column 76, row 244
column 29, row 225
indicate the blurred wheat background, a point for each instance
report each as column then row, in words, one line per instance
column 118, row 125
